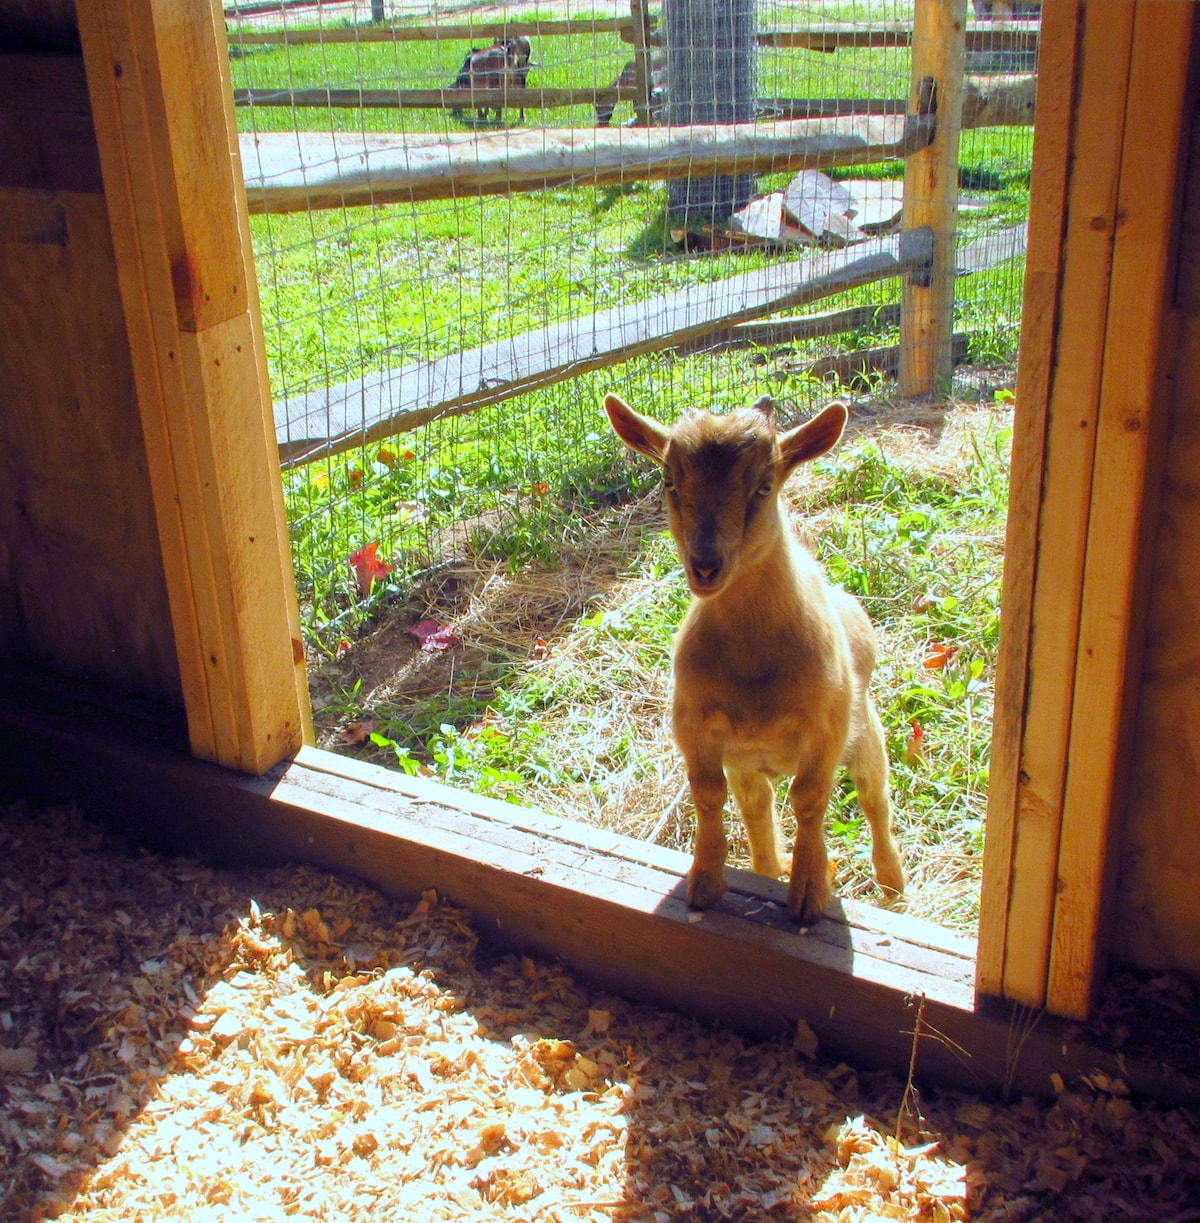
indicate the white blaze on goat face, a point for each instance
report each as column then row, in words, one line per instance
column 771, row 663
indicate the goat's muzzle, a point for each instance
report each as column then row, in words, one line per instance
column 705, row 575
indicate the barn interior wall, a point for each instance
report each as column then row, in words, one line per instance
column 1158, row 922
column 82, row 590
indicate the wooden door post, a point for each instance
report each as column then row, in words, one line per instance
column 162, row 103
column 931, row 196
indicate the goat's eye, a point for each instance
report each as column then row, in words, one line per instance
column 766, row 488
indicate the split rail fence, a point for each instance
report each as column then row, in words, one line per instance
column 292, row 171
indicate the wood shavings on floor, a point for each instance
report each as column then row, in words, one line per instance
column 183, row 1043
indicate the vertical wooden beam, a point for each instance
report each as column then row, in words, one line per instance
column 931, row 196
column 642, row 65
column 1131, row 427
column 163, row 110
column 1061, row 30
column 1065, row 490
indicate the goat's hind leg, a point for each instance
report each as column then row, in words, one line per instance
column 868, row 767
column 755, row 796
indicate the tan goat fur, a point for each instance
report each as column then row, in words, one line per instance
column 771, row 663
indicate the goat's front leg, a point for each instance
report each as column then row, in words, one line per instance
column 809, row 890
column 706, row 879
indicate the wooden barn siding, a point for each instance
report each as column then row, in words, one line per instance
column 1158, row 924
column 82, row 590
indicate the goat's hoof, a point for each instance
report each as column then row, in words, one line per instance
column 773, row 868
column 705, row 888
column 807, row 901
column 890, row 878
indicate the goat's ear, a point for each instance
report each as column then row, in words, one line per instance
column 638, row 432
column 813, row 438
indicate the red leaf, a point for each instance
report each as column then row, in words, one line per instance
column 940, row 654
column 434, row 637
column 386, row 457
column 540, row 649
column 367, row 568
column 343, row 648
column 916, row 743
column 358, row 732
column 357, row 475
column 540, row 489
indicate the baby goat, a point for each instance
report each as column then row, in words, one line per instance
column 771, row 662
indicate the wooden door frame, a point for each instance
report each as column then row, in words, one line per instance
column 1099, row 334
column 158, row 78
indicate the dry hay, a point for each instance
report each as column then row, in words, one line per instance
column 179, row 1042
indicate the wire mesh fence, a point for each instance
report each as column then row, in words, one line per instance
column 480, row 568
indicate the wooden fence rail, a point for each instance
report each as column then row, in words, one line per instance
column 1009, row 37
column 376, row 406
column 294, row 172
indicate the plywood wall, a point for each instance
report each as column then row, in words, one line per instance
column 81, row 577
column 1159, row 887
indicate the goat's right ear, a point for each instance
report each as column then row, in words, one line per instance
column 815, row 437
column 638, row 432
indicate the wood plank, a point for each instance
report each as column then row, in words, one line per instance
column 830, row 943
column 449, row 31
column 1010, row 103
column 1062, row 30
column 1131, row 429
column 381, row 404
column 775, row 332
column 723, row 969
column 1066, row 487
column 641, row 26
column 164, row 122
column 931, row 198
column 956, row 950
column 834, row 36
column 433, row 99
column 46, row 136
column 828, row 37
column 81, row 581
column 289, row 171
column 974, row 257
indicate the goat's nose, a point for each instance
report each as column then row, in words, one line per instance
column 706, row 568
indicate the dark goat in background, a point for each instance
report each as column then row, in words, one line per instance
column 503, row 65
column 628, row 78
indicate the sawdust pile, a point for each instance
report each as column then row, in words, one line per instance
column 183, row 1043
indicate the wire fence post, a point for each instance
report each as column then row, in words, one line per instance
column 931, row 197
column 710, row 57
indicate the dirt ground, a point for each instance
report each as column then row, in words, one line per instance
column 182, row 1042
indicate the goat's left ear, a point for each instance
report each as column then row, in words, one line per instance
column 813, row 438
column 638, row 432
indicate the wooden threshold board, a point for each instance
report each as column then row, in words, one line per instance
column 610, row 908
